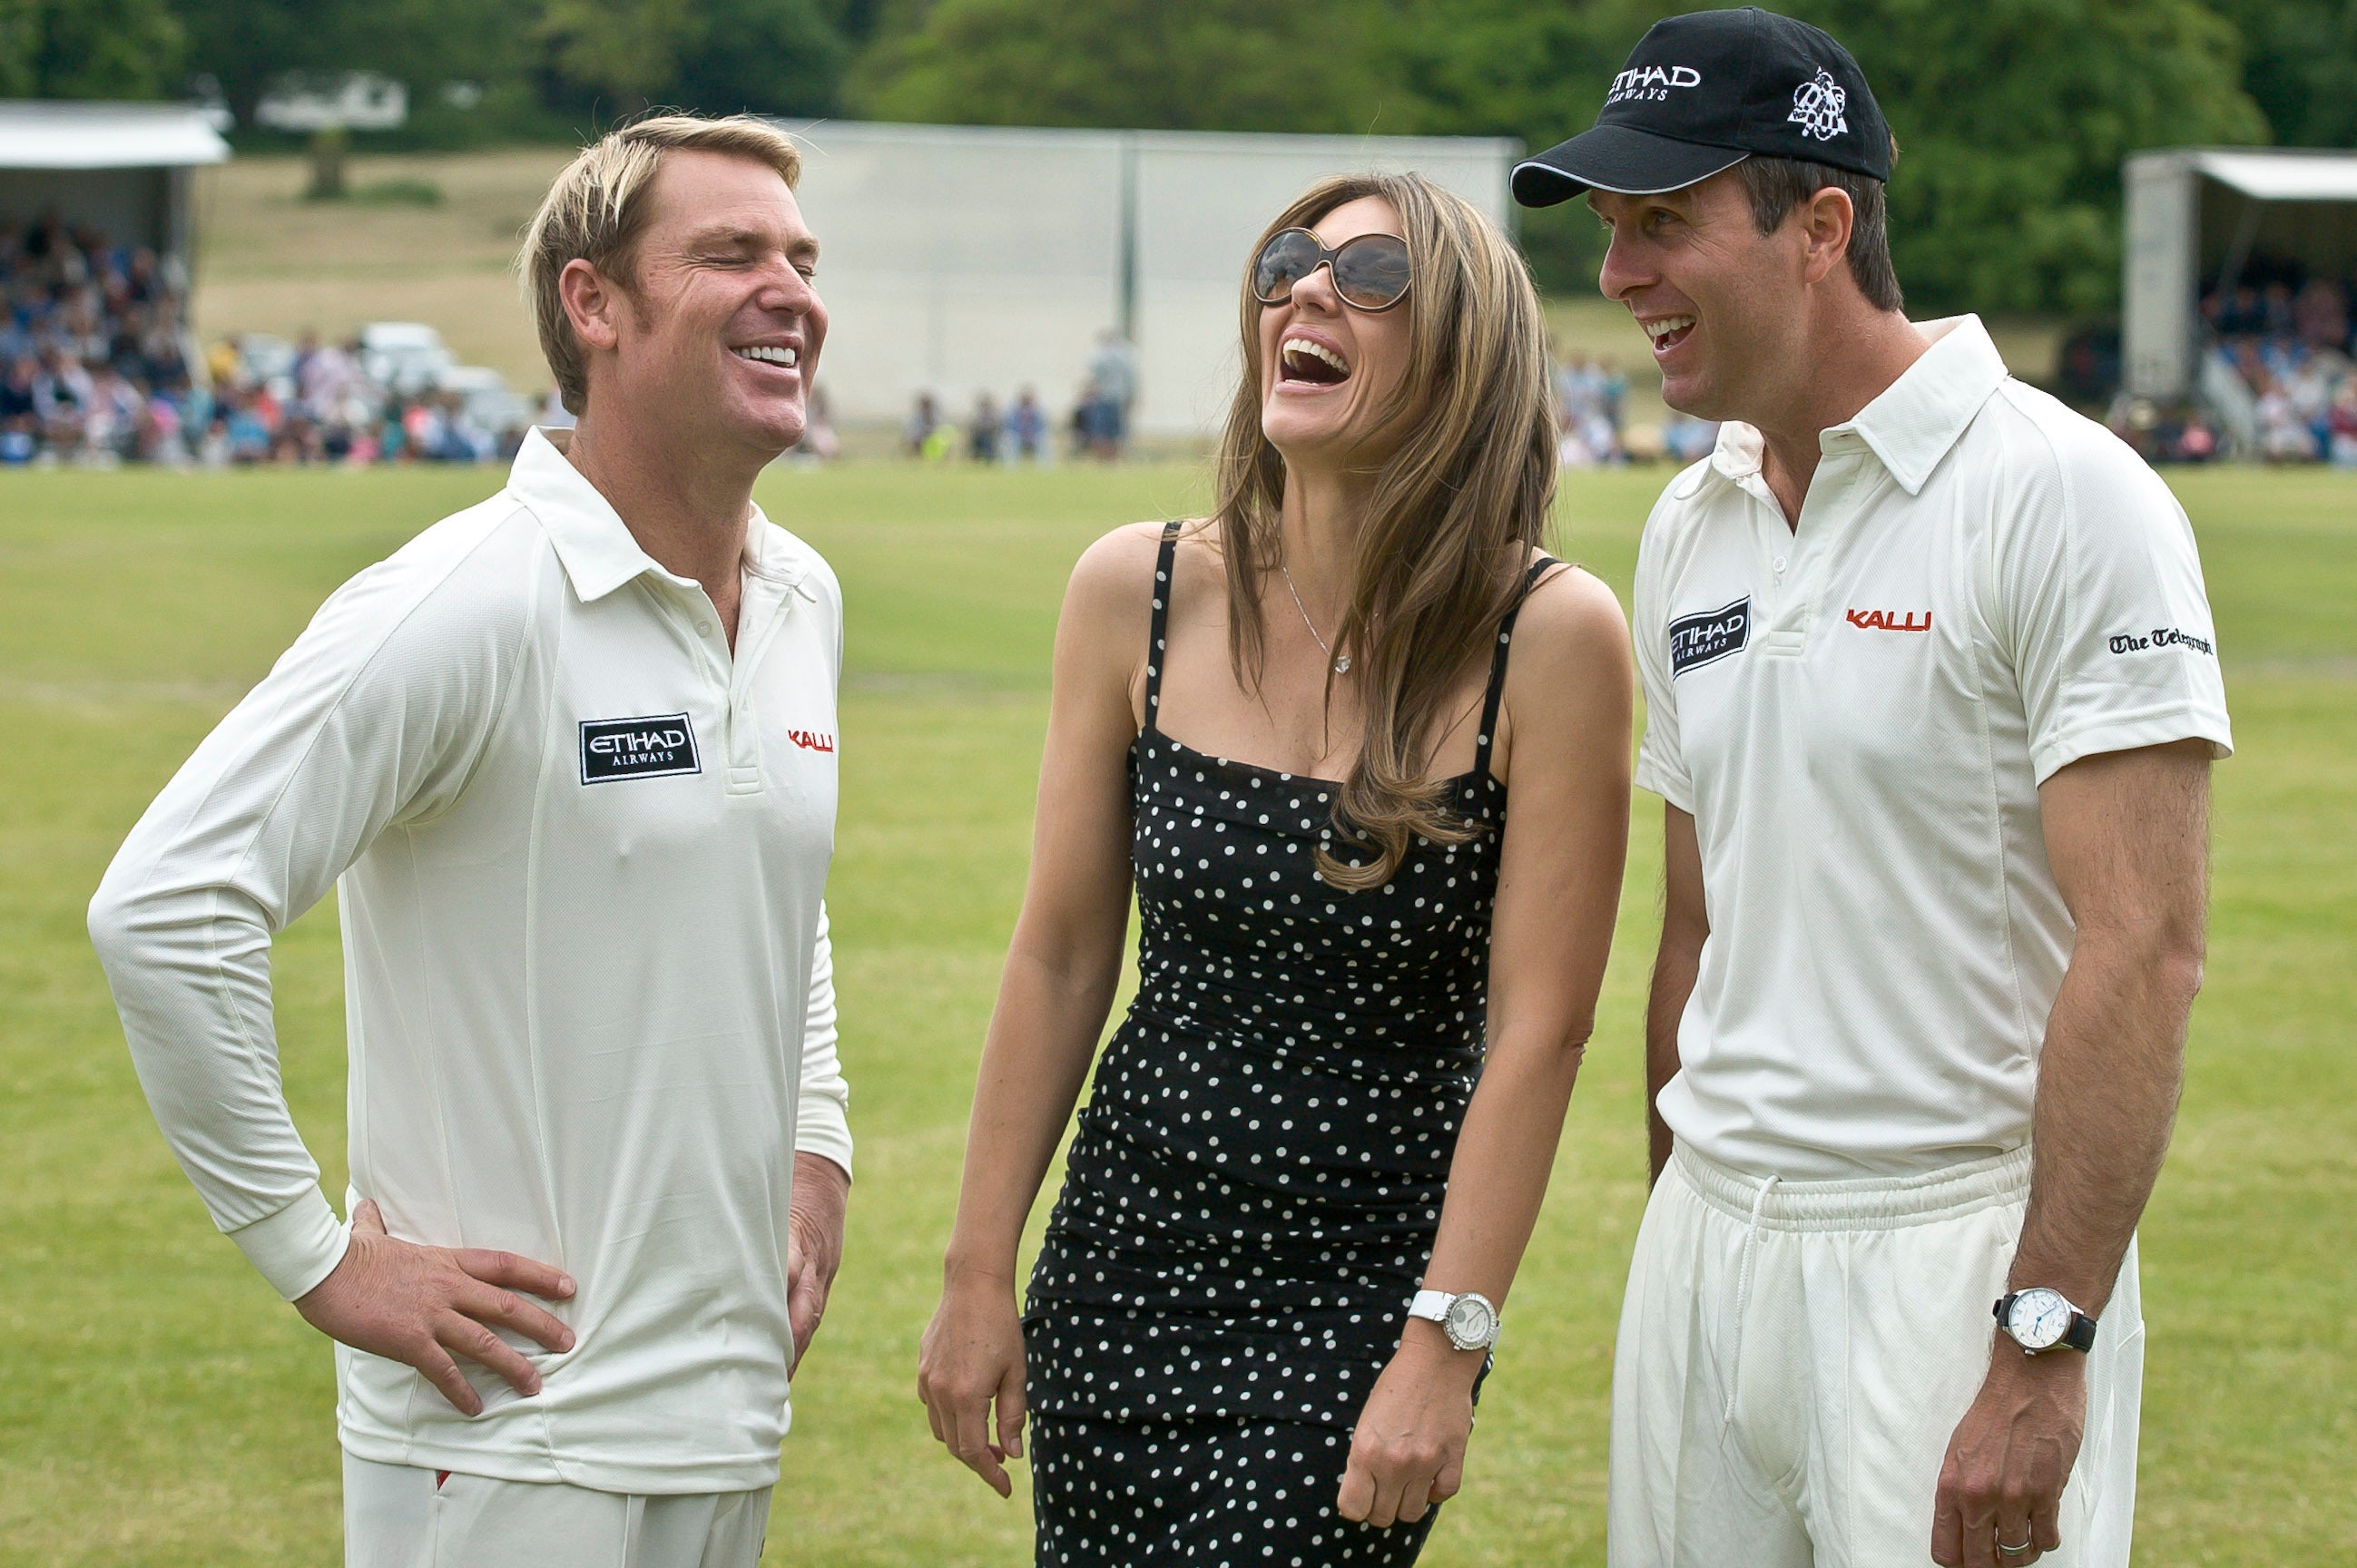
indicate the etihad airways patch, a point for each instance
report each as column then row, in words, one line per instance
column 1699, row 640
column 637, row 748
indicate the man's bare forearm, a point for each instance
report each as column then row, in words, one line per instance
column 1685, row 927
column 1674, row 967
column 2107, row 1090
column 2128, row 837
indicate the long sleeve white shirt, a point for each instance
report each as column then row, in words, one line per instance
column 580, row 849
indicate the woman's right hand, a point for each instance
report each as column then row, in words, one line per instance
column 969, row 1359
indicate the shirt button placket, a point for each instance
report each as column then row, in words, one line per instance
column 754, row 613
column 720, row 673
column 744, row 745
column 1786, row 620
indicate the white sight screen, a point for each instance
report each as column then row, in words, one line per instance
column 958, row 260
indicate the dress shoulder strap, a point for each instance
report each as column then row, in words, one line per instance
column 1164, row 562
column 1497, row 691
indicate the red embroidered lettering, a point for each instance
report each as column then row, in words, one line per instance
column 1887, row 620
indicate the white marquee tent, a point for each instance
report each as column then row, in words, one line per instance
column 958, row 260
column 2196, row 215
column 125, row 168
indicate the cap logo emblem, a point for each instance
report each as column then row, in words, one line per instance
column 1650, row 83
column 1817, row 107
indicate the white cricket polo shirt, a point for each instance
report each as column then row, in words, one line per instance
column 1984, row 587
column 580, row 850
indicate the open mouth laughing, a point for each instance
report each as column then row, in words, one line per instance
column 1666, row 331
column 1306, row 359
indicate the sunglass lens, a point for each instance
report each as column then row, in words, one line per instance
column 1286, row 260
column 1372, row 272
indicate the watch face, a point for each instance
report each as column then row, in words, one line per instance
column 1471, row 1321
column 2039, row 1319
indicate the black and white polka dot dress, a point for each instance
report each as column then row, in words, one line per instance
column 1251, row 1195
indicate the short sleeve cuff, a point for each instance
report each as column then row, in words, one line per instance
column 822, row 1131
column 297, row 1247
column 2128, row 732
column 1668, row 784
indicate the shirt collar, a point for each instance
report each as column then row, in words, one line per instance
column 596, row 547
column 1923, row 414
column 1915, row 420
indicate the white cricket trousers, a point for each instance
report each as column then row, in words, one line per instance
column 1794, row 1356
column 398, row 1517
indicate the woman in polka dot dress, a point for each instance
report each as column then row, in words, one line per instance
column 1363, row 990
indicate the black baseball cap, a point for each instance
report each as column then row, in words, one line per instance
column 1702, row 92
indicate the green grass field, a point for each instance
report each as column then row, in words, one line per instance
column 158, row 1405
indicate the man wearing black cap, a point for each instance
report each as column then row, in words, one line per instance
column 1932, row 696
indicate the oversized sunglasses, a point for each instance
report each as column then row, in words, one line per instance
column 1371, row 271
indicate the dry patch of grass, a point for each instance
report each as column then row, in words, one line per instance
column 268, row 260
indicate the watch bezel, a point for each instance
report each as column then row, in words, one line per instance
column 2026, row 1306
column 1485, row 1322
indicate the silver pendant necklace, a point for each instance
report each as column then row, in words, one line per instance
column 1342, row 661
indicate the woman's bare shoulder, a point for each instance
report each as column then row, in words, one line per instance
column 1112, row 590
column 1570, row 627
column 1115, row 576
column 1570, row 603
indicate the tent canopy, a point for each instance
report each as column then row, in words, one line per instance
column 2283, row 174
column 45, row 136
column 2280, row 206
column 125, row 170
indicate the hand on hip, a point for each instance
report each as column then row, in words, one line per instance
column 428, row 1306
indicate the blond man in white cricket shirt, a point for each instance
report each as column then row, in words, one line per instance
column 1931, row 698
column 567, row 758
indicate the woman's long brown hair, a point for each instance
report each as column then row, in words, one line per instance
column 1455, row 510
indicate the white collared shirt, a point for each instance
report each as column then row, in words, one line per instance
column 1984, row 587
column 579, row 849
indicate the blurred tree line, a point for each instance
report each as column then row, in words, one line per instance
column 2012, row 115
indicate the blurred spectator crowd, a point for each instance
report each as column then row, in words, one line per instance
column 1018, row 432
column 1022, row 431
column 98, row 367
column 1590, row 401
column 2290, row 344
column 390, row 394
column 1592, row 427
column 2278, row 377
column 94, row 354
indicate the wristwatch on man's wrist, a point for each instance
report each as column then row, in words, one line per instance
column 1470, row 1320
column 2041, row 1320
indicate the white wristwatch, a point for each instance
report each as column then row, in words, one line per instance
column 1469, row 1320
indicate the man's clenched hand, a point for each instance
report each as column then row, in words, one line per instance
column 2001, row 1483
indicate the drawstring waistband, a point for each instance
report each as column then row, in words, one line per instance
column 1743, row 1294
column 1869, row 1203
